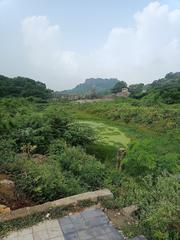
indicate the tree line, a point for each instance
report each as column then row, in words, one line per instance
column 23, row 87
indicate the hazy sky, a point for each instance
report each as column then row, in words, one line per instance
column 62, row 42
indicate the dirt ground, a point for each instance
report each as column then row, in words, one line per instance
column 118, row 218
column 9, row 196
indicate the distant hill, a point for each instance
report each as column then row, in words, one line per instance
column 166, row 89
column 98, row 85
column 23, row 87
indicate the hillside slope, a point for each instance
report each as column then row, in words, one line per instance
column 166, row 89
column 98, row 85
column 22, row 87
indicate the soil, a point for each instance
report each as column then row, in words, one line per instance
column 118, row 218
column 10, row 197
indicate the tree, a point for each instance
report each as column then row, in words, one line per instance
column 140, row 159
column 136, row 89
column 23, row 87
column 165, row 90
column 119, row 86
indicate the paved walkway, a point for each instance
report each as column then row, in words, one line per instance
column 91, row 224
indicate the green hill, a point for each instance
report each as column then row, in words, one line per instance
column 98, row 85
column 22, row 87
column 166, row 89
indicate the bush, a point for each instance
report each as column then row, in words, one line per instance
column 7, row 151
column 140, row 159
column 43, row 182
column 148, row 157
column 93, row 175
column 85, row 167
column 57, row 147
column 159, row 215
column 78, row 134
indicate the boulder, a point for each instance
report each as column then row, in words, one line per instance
column 128, row 211
column 7, row 183
column 7, row 189
column 4, row 209
column 138, row 238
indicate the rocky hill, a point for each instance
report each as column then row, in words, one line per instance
column 98, row 85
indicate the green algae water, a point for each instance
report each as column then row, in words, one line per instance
column 108, row 135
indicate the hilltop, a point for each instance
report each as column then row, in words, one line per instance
column 98, row 85
column 165, row 90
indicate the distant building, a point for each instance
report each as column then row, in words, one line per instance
column 124, row 93
column 64, row 96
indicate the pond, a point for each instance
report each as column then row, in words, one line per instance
column 108, row 135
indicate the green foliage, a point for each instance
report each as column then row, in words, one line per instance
column 57, row 147
column 146, row 157
column 28, row 125
column 67, row 169
column 79, row 134
column 159, row 216
column 140, row 159
column 166, row 90
column 22, row 87
column 43, row 130
column 158, row 202
column 131, row 111
column 7, row 151
column 85, row 167
column 43, row 182
column 136, row 89
column 154, row 150
column 69, row 172
column 119, row 86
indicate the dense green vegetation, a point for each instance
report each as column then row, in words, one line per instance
column 166, row 89
column 119, row 86
column 53, row 149
column 22, row 87
column 149, row 177
column 136, row 90
column 27, row 129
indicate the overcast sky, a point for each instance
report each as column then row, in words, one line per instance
column 63, row 42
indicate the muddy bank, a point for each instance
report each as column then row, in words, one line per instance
column 9, row 196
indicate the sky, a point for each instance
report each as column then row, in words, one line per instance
column 63, row 42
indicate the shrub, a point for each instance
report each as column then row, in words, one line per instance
column 140, row 159
column 159, row 215
column 93, row 175
column 7, row 151
column 57, row 147
column 79, row 134
column 85, row 167
column 43, row 182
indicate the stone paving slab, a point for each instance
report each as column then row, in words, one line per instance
column 48, row 230
column 91, row 224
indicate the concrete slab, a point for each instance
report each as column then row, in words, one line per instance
column 91, row 224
